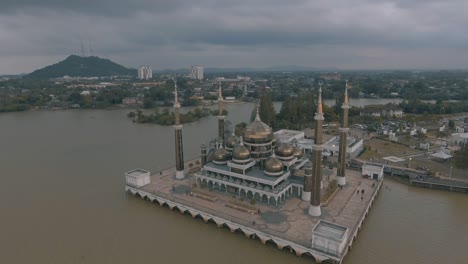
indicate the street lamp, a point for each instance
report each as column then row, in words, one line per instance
column 409, row 166
column 451, row 167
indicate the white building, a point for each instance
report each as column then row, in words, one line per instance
column 330, row 146
column 460, row 129
column 137, row 178
column 329, row 237
column 196, row 72
column 373, row 170
column 460, row 139
column 145, row 72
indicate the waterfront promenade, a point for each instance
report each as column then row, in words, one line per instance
column 288, row 226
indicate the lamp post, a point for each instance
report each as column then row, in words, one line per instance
column 409, row 166
column 451, row 167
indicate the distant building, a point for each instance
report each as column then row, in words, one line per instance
column 149, row 84
column 145, row 72
column 196, row 72
column 459, row 139
column 331, row 142
column 129, row 101
column 388, row 110
column 460, row 129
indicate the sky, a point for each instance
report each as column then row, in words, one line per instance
column 346, row 34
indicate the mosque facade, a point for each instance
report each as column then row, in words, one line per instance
column 256, row 166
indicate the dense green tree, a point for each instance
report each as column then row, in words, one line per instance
column 266, row 109
column 239, row 129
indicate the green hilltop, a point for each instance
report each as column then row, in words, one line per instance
column 77, row 66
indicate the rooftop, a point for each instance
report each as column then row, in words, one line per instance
column 375, row 165
column 330, row 230
column 137, row 173
column 285, row 135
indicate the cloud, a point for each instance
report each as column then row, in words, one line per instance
column 254, row 33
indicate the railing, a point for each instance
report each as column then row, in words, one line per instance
column 251, row 226
column 223, row 215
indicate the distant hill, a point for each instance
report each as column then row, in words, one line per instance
column 76, row 66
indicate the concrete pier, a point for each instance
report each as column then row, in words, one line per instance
column 288, row 226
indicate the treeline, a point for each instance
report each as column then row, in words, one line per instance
column 166, row 117
column 297, row 112
column 418, row 107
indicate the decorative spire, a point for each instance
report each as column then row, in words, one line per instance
column 176, row 98
column 346, row 99
column 319, row 102
column 220, row 100
column 220, row 95
column 257, row 117
column 241, row 141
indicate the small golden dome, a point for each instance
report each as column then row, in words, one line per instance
column 297, row 152
column 273, row 167
column 231, row 141
column 240, row 152
column 220, row 155
column 284, row 150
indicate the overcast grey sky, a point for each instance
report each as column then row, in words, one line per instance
column 348, row 34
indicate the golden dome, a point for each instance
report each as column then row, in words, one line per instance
column 284, row 150
column 273, row 167
column 231, row 141
column 220, row 155
column 241, row 153
column 297, row 152
column 258, row 132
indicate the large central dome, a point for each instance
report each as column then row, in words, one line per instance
column 258, row 132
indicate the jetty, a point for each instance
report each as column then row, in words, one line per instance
column 288, row 225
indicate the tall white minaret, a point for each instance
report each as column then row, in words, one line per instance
column 314, row 209
column 221, row 116
column 179, row 149
column 340, row 177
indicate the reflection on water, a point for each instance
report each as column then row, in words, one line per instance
column 63, row 200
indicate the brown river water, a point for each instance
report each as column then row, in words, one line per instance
column 63, row 200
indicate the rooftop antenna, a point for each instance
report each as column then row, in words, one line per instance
column 91, row 51
column 82, row 48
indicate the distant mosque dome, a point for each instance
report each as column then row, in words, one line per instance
column 220, row 156
column 231, row 142
column 297, row 152
column 273, row 167
column 285, row 150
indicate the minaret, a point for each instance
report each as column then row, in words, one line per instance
column 179, row 148
column 314, row 209
column 220, row 115
column 203, row 155
column 306, row 192
column 340, row 177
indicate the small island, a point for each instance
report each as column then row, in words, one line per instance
column 166, row 117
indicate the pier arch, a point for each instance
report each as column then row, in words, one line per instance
column 257, row 197
column 272, row 200
column 242, row 193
